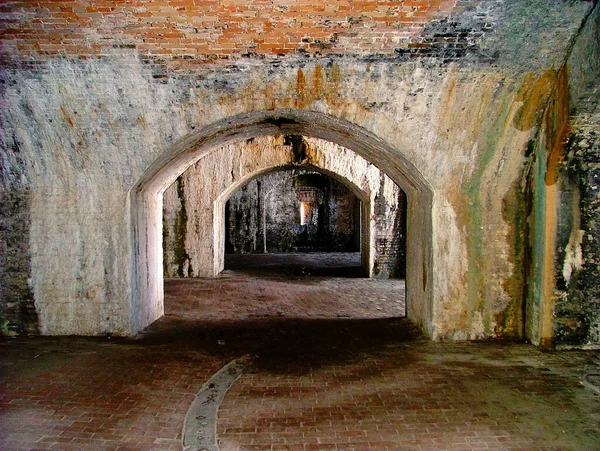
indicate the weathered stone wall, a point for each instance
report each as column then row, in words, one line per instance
column 244, row 226
column 558, row 249
column 17, row 304
column 341, row 218
column 176, row 261
column 390, row 231
column 81, row 127
column 578, row 279
column 279, row 206
column 17, row 311
column 189, row 203
column 577, row 308
column 271, row 199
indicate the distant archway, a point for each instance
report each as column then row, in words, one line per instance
column 146, row 201
column 219, row 225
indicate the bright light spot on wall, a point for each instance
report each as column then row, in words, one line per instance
column 306, row 213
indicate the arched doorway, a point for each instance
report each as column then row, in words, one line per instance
column 364, row 227
column 296, row 220
column 146, row 201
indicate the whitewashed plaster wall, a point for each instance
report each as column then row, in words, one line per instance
column 88, row 132
column 240, row 162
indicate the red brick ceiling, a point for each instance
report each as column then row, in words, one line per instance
column 200, row 29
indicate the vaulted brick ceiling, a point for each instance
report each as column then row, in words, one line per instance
column 192, row 29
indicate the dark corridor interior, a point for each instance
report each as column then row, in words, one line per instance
column 299, row 221
column 298, row 265
column 293, row 211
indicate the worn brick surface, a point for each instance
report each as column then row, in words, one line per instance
column 302, row 288
column 192, row 27
column 339, row 390
column 76, row 394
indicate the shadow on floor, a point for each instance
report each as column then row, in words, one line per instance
column 342, row 264
column 278, row 344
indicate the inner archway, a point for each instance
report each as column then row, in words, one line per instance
column 147, row 295
column 296, row 220
column 321, row 164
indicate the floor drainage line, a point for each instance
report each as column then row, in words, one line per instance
column 200, row 424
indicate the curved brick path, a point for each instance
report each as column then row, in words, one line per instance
column 329, row 371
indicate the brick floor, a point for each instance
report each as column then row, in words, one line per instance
column 300, row 286
column 333, row 368
column 74, row 393
column 333, row 391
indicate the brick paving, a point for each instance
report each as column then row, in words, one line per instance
column 302, row 286
column 368, row 386
column 77, row 394
column 329, row 371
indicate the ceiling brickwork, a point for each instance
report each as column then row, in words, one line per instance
column 210, row 29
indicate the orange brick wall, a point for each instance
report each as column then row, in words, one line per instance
column 209, row 29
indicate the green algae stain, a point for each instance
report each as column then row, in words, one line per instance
column 534, row 96
column 517, row 208
column 538, row 239
column 472, row 189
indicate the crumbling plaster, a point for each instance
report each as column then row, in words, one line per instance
column 82, row 169
column 577, row 278
column 80, row 135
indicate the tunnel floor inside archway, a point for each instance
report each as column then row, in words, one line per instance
column 259, row 367
column 286, row 286
column 326, row 264
column 308, row 380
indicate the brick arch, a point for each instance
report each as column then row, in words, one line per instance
column 146, row 201
column 219, row 215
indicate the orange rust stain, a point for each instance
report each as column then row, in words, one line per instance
column 534, row 95
column 334, row 81
column 557, row 126
column 66, row 117
column 547, row 95
column 313, row 154
column 449, row 94
column 141, row 120
column 334, row 92
column 225, row 99
column 308, row 87
column 258, row 94
column 300, row 86
column 317, row 88
column 549, row 270
column 336, row 74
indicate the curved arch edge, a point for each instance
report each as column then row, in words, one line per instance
column 219, row 214
column 146, row 304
